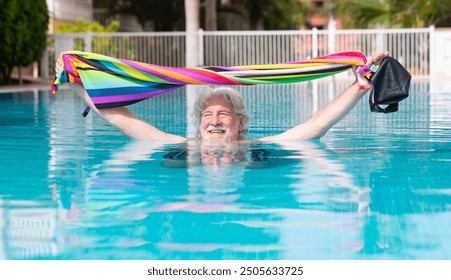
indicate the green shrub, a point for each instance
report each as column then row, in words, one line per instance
column 23, row 34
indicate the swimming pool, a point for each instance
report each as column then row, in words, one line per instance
column 376, row 187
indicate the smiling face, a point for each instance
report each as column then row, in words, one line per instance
column 218, row 122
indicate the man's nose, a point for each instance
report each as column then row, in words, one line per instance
column 215, row 120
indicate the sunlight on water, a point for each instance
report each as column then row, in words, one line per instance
column 376, row 187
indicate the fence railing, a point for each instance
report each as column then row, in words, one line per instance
column 227, row 48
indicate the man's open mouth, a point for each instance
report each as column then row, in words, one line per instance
column 217, row 131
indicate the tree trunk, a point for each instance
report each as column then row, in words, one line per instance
column 2, row 74
column 210, row 16
column 20, row 75
column 192, row 23
column 6, row 73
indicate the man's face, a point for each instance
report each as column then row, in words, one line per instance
column 218, row 122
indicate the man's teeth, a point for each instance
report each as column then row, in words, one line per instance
column 217, row 131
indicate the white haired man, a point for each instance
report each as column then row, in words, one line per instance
column 222, row 116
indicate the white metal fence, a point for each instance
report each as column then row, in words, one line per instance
column 412, row 47
column 227, row 48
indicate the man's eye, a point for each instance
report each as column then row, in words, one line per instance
column 206, row 115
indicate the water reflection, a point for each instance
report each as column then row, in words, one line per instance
column 252, row 200
column 228, row 201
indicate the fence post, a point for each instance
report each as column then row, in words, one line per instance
column 381, row 41
column 200, row 45
column 314, row 42
column 331, row 35
column 315, row 82
column 88, row 41
column 432, row 57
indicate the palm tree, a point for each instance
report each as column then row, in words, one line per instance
column 365, row 14
column 392, row 13
column 421, row 13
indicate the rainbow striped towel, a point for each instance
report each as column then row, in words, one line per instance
column 113, row 82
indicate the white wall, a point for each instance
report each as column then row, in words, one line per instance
column 440, row 61
column 70, row 10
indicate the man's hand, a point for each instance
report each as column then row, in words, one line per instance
column 371, row 60
column 377, row 59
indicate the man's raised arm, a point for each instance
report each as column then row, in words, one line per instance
column 329, row 115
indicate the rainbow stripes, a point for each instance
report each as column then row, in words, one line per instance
column 113, row 82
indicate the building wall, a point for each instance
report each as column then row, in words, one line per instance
column 65, row 11
column 320, row 15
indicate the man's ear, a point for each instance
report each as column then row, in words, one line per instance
column 241, row 126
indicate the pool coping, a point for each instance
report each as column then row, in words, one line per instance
column 29, row 86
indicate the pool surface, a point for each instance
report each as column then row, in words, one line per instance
column 376, row 187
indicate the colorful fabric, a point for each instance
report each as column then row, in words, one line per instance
column 113, row 82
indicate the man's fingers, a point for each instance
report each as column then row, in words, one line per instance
column 379, row 57
column 376, row 60
column 59, row 65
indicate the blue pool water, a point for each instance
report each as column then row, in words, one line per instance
column 376, row 187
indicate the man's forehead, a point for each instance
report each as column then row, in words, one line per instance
column 217, row 101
